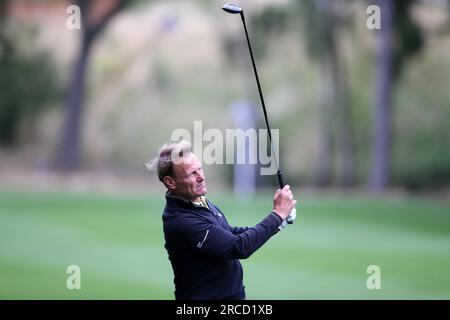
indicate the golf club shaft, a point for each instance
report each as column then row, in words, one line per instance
column 279, row 174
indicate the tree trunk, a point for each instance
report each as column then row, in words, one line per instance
column 323, row 164
column 382, row 127
column 69, row 155
column 345, row 162
column 323, row 168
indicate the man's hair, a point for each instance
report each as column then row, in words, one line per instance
column 169, row 154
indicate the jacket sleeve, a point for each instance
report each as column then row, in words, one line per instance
column 238, row 230
column 210, row 239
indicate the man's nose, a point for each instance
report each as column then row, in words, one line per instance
column 200, row 177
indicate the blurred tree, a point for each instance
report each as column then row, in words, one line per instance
column 399, row 38
column 319, row 37
column 321, row 23
column 21, row 97
column 95, row 15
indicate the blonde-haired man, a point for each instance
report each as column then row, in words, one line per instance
column 204, row 250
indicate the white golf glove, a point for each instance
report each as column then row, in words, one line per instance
column 290, row 218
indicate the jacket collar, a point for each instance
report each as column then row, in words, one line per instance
column 174, row 200
column 171, row 196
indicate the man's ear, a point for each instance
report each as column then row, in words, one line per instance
column 169, row 182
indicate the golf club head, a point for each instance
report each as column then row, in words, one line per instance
column 231, row 8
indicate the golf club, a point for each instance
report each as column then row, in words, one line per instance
column 234, row 9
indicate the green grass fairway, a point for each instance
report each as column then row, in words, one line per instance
column 118, row 244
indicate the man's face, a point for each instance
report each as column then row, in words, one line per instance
column 189, row 180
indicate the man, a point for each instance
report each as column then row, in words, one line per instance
column 203, row 248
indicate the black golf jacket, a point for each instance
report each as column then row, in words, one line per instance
column 204, row 249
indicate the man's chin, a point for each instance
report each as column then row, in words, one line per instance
column 202, row 191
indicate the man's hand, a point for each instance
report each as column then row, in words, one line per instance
column 283, row 202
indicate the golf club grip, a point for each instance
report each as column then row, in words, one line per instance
column 280, row 179
column 281, row 183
